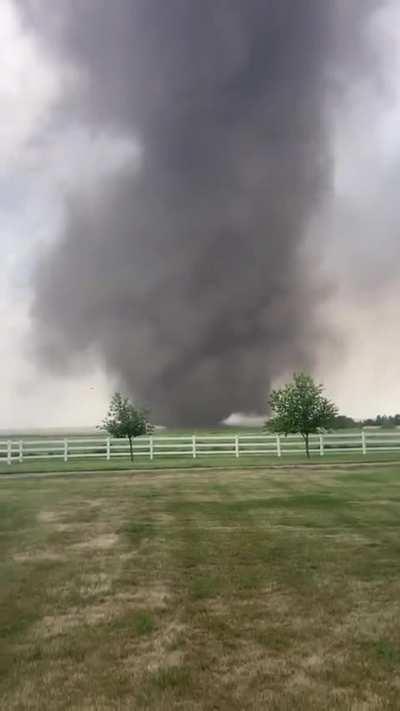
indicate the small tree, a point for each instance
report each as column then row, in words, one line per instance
column 124, row 419
column 300, row 408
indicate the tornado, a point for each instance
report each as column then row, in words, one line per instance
column 187, row 272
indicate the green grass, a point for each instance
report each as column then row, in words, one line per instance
column 94, row 464
column 203, row 589
column 59, row 433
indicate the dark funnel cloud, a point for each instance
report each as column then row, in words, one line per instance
column 188, row 276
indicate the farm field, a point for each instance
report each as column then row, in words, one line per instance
column 92, row 432
column 218, row 461
column 89, row 432
column 219, row 589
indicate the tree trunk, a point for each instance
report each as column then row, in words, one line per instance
column 306, row 436
column 131, row 448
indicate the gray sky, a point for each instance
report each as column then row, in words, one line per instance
column 353, row 239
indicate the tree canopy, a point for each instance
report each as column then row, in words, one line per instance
column 124, row 419
column 300, row 408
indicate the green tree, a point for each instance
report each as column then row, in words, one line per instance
column 124, row 419
column 342, row 422
column 300, row 408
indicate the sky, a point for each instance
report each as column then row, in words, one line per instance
column 353, row 238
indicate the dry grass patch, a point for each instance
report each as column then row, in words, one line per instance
column 48, row 517
column 39, row 556
column 95, row 584
column 101, row 541
column 206, row 590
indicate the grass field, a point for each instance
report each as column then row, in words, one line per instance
column 93, row 433
column 181, row 462
column 216, row 590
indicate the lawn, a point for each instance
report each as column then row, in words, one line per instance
column 202, row 589
column 140, row 463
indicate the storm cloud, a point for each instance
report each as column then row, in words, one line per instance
column 186, row 272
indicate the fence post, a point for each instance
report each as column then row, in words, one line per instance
column 321, row 445
column 9, row 452
column 65, row 450
column 237, row 446
column 151, row 448
column 278, row 445
column 363, row 442
column 194, row 446
column 108, row 449
column 21, row 451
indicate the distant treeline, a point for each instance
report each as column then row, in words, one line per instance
column 343, row 422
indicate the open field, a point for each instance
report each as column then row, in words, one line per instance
column 258, row 589
column 88, row 432
column 55, row 465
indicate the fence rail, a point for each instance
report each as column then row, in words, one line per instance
column 194, row 446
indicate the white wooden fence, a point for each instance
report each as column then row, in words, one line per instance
column 197, row 446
